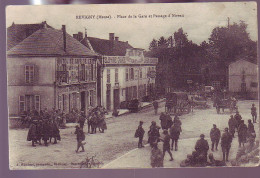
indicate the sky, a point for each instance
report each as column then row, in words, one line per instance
column 197, row 19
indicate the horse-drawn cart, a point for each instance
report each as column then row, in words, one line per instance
column 177, row 103
column 226, row 103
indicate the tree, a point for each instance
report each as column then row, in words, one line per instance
column 153, row 44
column 162, row 42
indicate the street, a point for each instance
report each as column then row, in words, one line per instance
column 116, row 148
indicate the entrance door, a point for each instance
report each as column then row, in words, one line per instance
column 83, row 101
column 108, row 100
column 116, row 98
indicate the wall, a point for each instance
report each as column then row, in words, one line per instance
column 235, row 76
column 43, row 84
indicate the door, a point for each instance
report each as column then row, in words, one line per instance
column 108, row 98
column 83, row 101
column 116, row 98
column 243, row 87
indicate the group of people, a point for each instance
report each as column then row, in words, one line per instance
column 171, row 132
column 43, row 126
column 246, row 133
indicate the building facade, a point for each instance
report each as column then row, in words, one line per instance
column 243, row 78
column 50, row 69
column 125, row 73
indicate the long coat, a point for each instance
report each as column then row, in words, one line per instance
column 175, row 131
column 215, row 134
column 242, row 133
column 226, row 140
column 202, row 146
column 32, row 133
column 232, row 123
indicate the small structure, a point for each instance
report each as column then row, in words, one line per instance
column 243, row 79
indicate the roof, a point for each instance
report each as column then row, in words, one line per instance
column 240, row 60
column 16, row 33
column 107, row 47
column 49, row 41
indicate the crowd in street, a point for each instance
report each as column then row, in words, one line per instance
column 199, row 157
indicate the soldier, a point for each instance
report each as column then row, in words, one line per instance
column 82, row 119
column 139, row 133
column 175, row 131
column 80, row 138
column 254, row 113
column 251, row 128
column 214, row 136
column 153, row 134
column 232, row 123
column 156, row 156
column 45, row 131
column 32, row 133
column 238, row 119
column 163, row 119
column 177, row 120
column 242, row 133
column 155, row 106
column 202, row 148
column 215, row 163
column 166, row 144
column 226, row 141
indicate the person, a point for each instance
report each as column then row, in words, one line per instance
column 215, row 163
column 251, row 128
column 156, row 156
column 238, row 119
column 232, row 123
column 242, row 133
column 115, row 112
column 177, row 120
column 82, row 119
column 214, row 136
column 139, row 133
column 32, row 133
column 80, row 138
column 192, row 103
column 153, row 134
column 46, row 131
column 253, row 113
column 226, row 140
column 175, row 131
column 202, row 148
column 163, row 120
column 166, row 144
column 155, row 106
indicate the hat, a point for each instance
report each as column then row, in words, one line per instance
column 165, row 131
column 202, row 135
column 141, row 122
column 226, row 129
column 214, row 125
column 76, row 126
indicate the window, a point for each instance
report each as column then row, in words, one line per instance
column 37, row 102
column 82, row 72
column 29, row 73
column 91, row 98
column 141, row 73
column 86, row 72
column 116, row 75
column 108, row 75
column 126, row 74
column 254, row 84
column 132, row 73
column 92, row 72
column 21, row 103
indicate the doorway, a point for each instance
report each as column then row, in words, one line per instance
column 116, row 98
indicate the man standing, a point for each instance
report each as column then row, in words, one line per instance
column 214, row 136
column 202, row 147
column 80, row 138
column 82, row 119
column 153, row 134
column 226, row 141
column 175, row 131
column 166, row 144
column 238, row 119
column 254, row 113
column 155, row 106
column 139, row 133
column 232, row 123
column 242, row 133
column 251, row 128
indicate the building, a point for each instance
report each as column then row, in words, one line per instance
column 125, row 73
column 243, row 78
column 16, row 33
column 50, row 69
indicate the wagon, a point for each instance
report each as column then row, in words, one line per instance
column 177, row 103
column 223, row 104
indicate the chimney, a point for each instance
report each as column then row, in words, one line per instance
column 64, row 37
column 117, row 38
column 80, row 36
column 111, row 36
column 86, row 33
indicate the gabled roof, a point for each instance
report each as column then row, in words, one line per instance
column 106, row 47
column 49, row 41
column 16, row 33
column 243, row 60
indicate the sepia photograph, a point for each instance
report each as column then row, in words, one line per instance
column 115, row 86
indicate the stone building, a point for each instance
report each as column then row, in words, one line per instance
column 243, row 78
column 50, row 69
column 125, row 73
